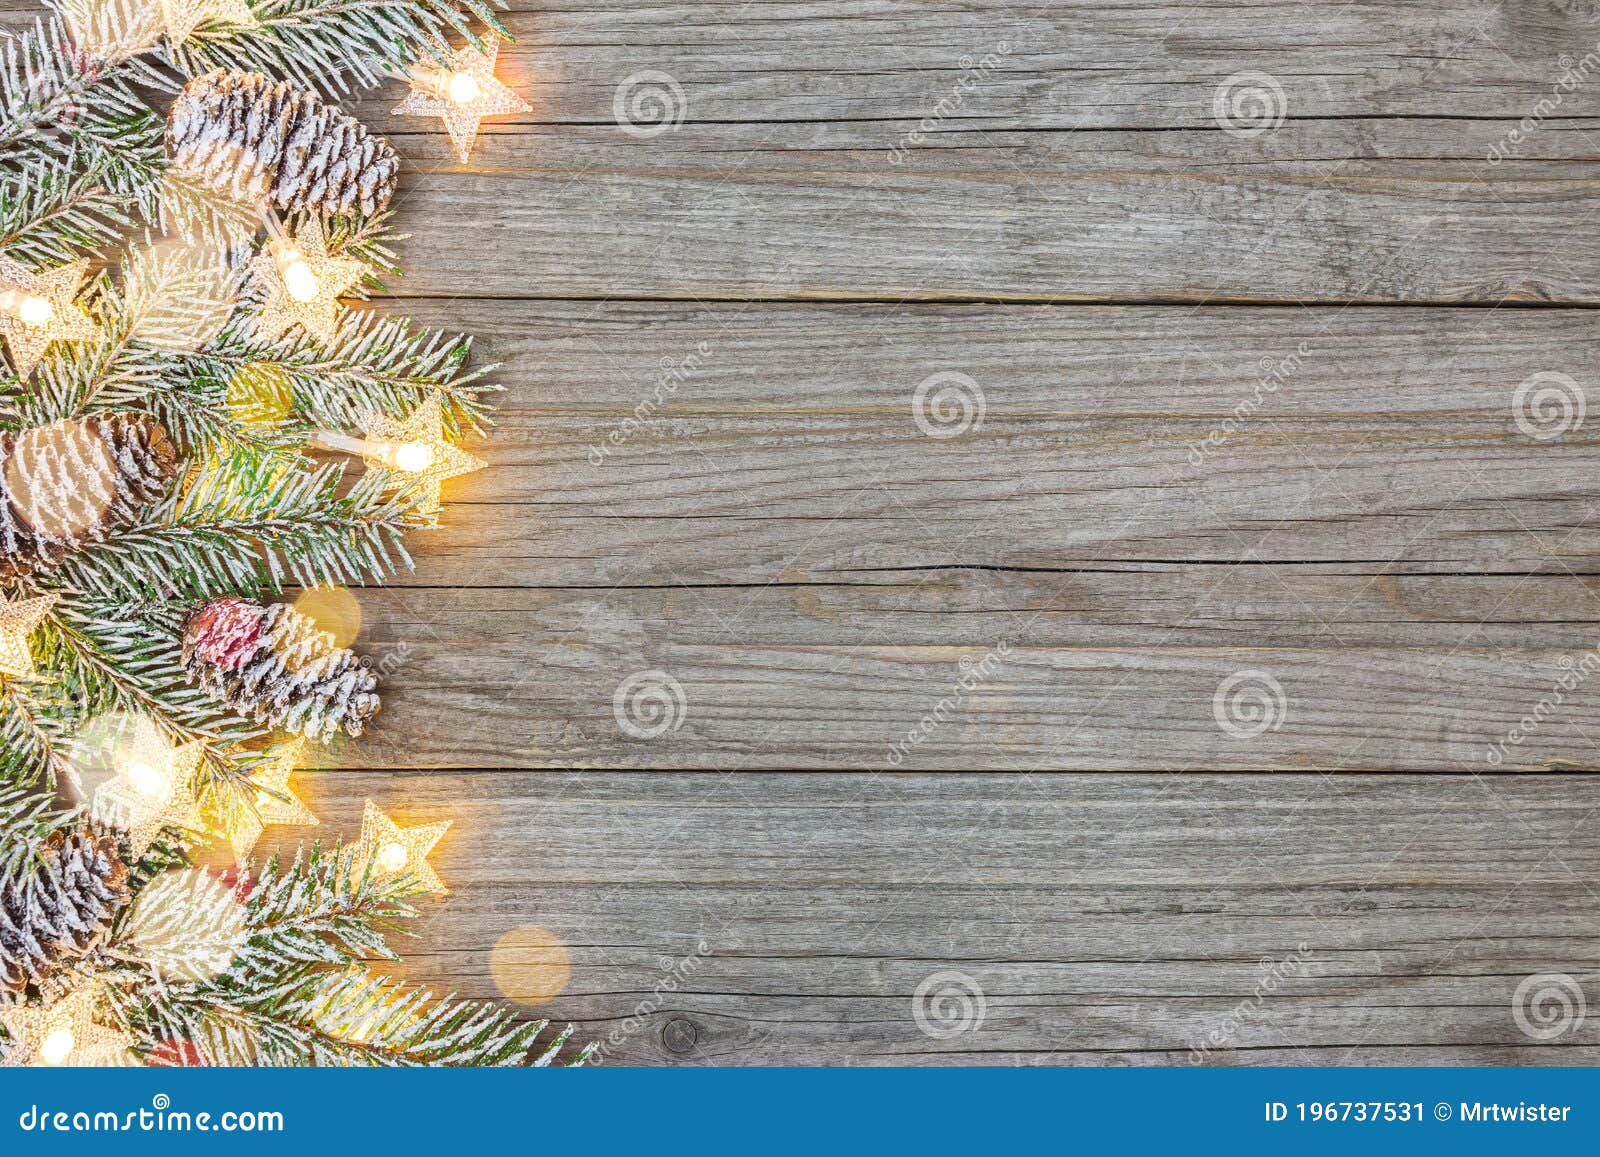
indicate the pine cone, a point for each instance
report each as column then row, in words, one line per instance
column 75, row 482
column 274, row 665
column 55, row 909
column 246, row 136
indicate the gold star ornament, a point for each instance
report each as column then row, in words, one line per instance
column 37, row 309
column 18, row 620
column 417, row 450
column 387, row 850
column 463, row 94
column 303, row 282
column 63, row 1033
column 155, row 786
column 269, row 801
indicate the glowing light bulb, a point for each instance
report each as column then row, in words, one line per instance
column 413, row 457
column 57, row 1046
column 463, row 88
column 299, row 281
column 146, row 778
column 392, row 856
column 35, row 310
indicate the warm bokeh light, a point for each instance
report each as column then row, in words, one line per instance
column 300, row 282
column 35, row 310
column 57, row 1046
column 334, row 610
column 413, row 457
column 187, row 925
column 530, row 965
column 145, row 778
column 260, row 394
column 48, row 462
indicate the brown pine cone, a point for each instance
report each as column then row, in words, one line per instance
column 57, row 905
column 74, row 482
column 272, row 664
column 250, row 138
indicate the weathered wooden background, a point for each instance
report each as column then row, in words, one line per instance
column 710, row 477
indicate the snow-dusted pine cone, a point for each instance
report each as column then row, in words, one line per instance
column 252, row 138
column 75, row 482
column 274, row 665
column 57, row 905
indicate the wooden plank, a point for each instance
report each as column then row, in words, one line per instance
column 817, row 574
column 1023, row 673
column 658, row 444
column 1033, row 177
column 1393, row 210
column 1076, row 64
column 1377, row 534
column 1085, row 162
column 1059, row 153
column 1068, row 64
column 1106, row 919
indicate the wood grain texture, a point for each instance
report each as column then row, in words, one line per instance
column 1392, row 210
column 1036, row 152
column 1105, row 919
column 1075, row 64
column 776, row 533
column 1249, row 404
column 1032, row 152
